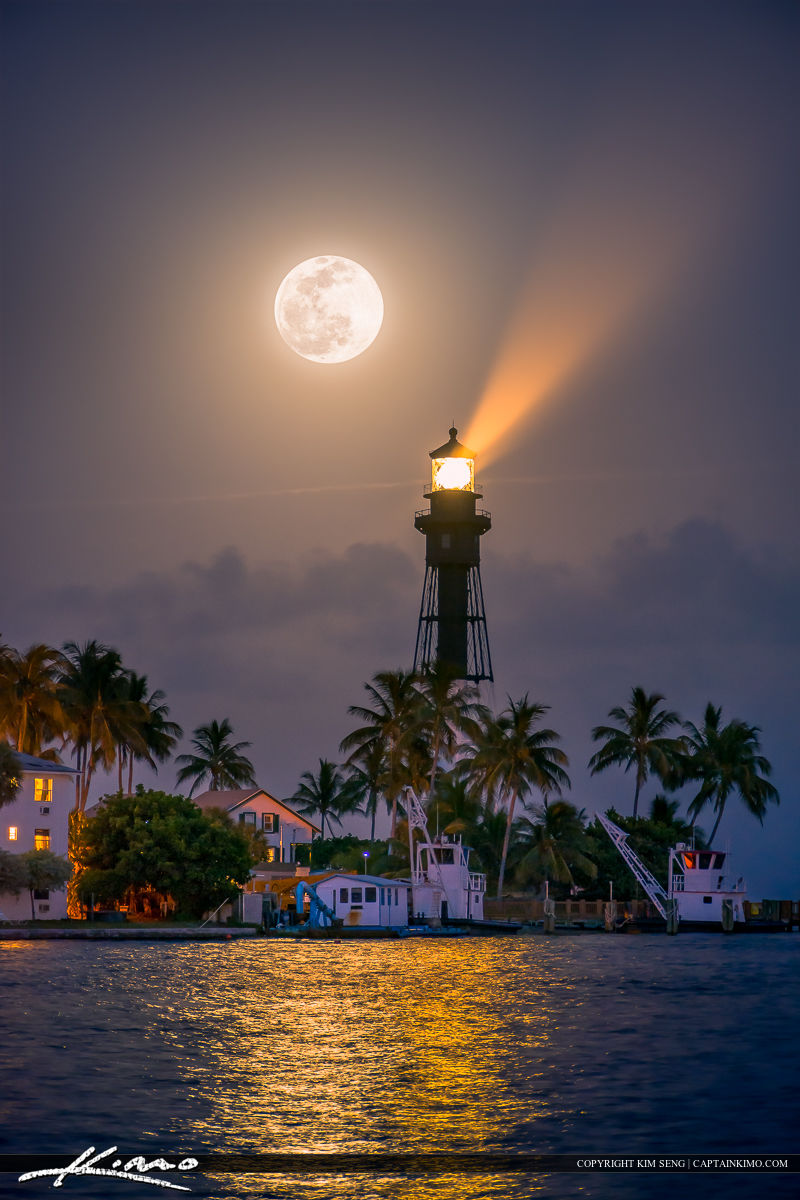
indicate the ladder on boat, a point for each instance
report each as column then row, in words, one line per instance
column 657, row 894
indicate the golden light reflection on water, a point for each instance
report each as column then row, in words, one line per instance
column 361, row 1047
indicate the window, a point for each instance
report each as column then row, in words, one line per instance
column 705, row 862
column 13, row 833
column 383, row 895
column 370, row 895
column 272, row 854
column 396, row 894
column 357, row 894
column 269, row 822
column 343, row 894
column 41, row 839
column 706, row 899
column 43, row 791
column 247, row 818
column 39, row 894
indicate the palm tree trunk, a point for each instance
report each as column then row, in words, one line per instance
column 130, row 775
column 373, row 800
column 712, row 835
column 23, row 729
column 636, row 794
column 506, row 840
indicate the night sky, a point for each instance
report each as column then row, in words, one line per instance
column 583, row 220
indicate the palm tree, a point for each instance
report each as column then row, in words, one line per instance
column 30, row 711
column 554, row 845
column 328, row 792
column 98, row 713
column 157, row 736
column 511, row 757
column 727, row 760
column 450, row 708
column 10, row 773
column 216, row 759
column 393, row 724
column 457, row 804
column 641, row 742
column 366, row 771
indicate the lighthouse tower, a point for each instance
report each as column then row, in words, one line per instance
column 452, row 619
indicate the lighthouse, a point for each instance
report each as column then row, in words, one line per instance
column 452, row 618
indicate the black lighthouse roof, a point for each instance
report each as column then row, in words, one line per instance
column 452, row 449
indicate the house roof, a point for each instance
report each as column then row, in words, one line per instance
column 230, row 799
column 379, row 880
column 43, row 766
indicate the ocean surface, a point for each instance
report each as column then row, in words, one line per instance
column 595, row 1045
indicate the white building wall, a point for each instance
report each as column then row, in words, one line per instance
column 44, row 808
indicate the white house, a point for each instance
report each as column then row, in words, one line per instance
column 38, row 819
column 284, row 829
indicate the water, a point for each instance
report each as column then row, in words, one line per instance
column 590, row 1045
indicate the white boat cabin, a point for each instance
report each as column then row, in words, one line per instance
column 443, row 885
column 365, row 900
column 699, row 881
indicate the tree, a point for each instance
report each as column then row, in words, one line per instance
column 44, row 871
column 328, row 792
column 450, row 708
column 641, row 742
column 456, row 804
column 30, row 710
column 511, row 757
column 10, row 774
column 13, row 876
column 366, row 770
column 161, row 842
column 100, row 716
column 157, row 736
column 216, row 759
column 392, row 726
column 727, row 760
column 554, row 846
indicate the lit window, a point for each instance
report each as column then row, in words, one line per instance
column 43, row 791
column 269, row 822
column 272, row 854
column 41, row 839
column 13, row 833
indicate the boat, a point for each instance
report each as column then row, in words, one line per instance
column 702, row 894
column 443, row 888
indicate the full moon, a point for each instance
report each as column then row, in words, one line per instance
column 329, row 309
